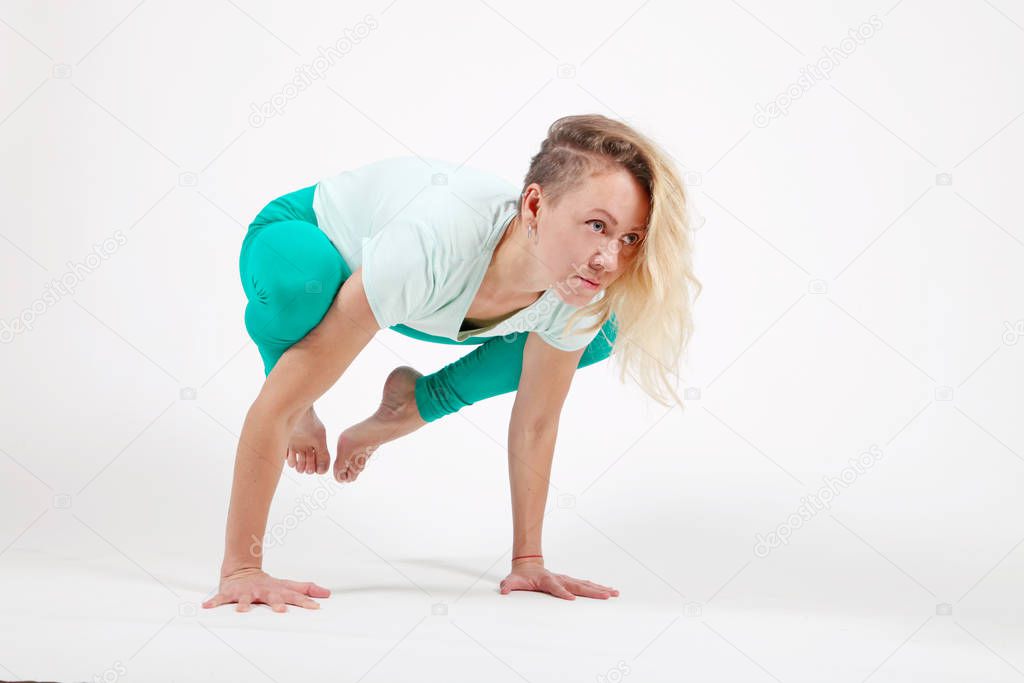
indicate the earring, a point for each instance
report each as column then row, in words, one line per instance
column 531, row 233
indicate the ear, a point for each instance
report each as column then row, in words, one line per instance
column 531, row 203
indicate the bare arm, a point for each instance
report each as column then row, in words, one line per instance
column 532, row 431
column 533, row 428
column 303, row 374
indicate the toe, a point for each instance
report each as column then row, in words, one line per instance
column 323, row 460
column 339, row 469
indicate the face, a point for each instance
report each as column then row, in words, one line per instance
column 591, row 236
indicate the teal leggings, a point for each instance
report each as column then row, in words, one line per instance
column 291, row 272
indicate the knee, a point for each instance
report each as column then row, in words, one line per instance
column 290, row 264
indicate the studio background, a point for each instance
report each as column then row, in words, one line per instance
column 858, row 235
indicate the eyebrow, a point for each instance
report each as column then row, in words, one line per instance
column 615, row 222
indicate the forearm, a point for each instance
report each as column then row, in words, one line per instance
column 258, row 465
column 529, row 467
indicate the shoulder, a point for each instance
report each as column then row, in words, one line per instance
column 556, row 314
column 463, row 208
column 455, row 209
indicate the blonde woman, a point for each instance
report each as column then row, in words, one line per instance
column 590, row 259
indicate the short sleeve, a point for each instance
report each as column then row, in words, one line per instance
column 576, row 338
column 399, row 265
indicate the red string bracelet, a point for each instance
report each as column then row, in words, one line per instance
column 522, row 556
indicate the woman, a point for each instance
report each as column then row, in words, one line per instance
column 453, row 255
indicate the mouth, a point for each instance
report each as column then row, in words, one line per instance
column 590, row 284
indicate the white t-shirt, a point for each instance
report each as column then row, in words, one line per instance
column 424, row 232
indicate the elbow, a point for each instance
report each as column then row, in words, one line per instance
column 535, row 430
column 265, row 411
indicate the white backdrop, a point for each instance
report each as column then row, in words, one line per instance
column 855, row 168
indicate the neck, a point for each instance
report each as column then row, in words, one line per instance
column 514, row 273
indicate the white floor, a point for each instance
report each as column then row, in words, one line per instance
column 106, row 585
column 73, row 619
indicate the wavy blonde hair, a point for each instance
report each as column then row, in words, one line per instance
column 651, row 300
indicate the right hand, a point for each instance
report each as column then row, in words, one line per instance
column 248, row 586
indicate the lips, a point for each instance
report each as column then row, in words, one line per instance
column 592, row 283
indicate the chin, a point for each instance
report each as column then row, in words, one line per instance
column 579, row 298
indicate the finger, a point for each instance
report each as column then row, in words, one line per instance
column 511, row 583
column 291, row 458
column 580, row 588
column 276, row 602
column 216, row 601
column 300, row 600
column 555, row 587
column 308, row 588
column 608, row 589
column 311, row 461
column 244, row 604
column 585, row 582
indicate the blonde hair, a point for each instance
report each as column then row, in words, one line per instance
column 651, row 300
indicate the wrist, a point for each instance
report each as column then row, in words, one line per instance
column 233, row 568
column 527, row 558
column 237, row 557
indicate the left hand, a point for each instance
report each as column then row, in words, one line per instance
column 530, row 576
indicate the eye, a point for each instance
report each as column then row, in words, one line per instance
column 632, row 243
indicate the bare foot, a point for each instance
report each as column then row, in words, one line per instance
column 396, row 417
column 307, row 447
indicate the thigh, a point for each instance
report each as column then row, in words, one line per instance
column 291, row 273
column 280, row 254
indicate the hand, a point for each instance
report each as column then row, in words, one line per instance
column 532, row 576
column 247, row 586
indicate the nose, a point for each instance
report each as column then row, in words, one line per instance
column 608, row 258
